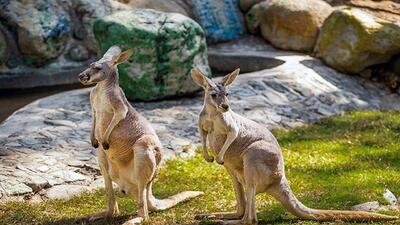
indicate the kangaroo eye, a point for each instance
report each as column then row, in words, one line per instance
column 214, row 95
column 226, row 94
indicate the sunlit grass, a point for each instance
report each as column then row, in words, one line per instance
column 333, row 164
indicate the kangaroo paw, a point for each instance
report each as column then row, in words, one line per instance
column 105, row 145
column 95, row 143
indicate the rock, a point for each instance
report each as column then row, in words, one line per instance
column 3, row 50
column 291, row 24
column 42, row 28
column 221, row 20
column 88, row 11
column 13, row 187
column 43, row 168
column 245, row 5
column 351, row 40
column 66, row 191
column 36, row 183
column 368, row 206
column 390, row 197
column 166, row 47
column 183, row 7
column 69, row 176
column 78, row 53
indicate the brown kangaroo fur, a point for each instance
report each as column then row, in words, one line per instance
column 253, row 158
column 129, row 151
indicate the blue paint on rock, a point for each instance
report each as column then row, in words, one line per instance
column 221, row 20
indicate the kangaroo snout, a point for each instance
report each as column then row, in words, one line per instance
column 84, row 77
column 224, row 107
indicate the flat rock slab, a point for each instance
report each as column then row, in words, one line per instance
column 46, row 143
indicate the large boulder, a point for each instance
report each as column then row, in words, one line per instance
column 221, row 20
column 289, row 24
column 166, row 47
column 351, row 40
column 245, row 5
column 42, row 27
column 87, row 11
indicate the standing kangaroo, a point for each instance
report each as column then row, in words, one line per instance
column 130, row 151
column 253, row 158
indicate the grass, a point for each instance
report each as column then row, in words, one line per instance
column 333, row 164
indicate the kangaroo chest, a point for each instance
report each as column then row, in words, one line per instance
column 103, row 112
column 216, row 132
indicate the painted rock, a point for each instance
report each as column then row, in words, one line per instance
column 166, row 47
column 221, row 20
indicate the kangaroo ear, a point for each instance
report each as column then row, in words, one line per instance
column 112, row 54
column 228, row 79
column 201, row 79
column 123, row 56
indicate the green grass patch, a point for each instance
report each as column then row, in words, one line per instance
column 333, row 164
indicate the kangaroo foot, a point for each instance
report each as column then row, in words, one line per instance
column 136, row 220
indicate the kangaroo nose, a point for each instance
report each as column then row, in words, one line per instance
column 225, row 106
column 83, row 76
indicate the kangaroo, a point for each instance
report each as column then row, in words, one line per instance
column 253, row 158
column 129, row 152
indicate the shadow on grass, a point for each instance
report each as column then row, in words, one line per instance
column 116, row 220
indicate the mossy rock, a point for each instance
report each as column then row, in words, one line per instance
column 351, row 40
column 166, row 47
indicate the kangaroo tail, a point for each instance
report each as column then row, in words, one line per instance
column 284, row 194
column 162, row 204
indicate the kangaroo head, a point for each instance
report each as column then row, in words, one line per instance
column 216, row 94
column 104, row 68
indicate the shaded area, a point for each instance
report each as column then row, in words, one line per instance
column 11, row 100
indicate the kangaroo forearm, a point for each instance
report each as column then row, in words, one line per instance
column 229, row 140
column 203, row 135
column 114, row 122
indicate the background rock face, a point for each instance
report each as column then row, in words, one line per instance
column 247, row 4
column 289, row 24
column 47, row 42
column 166, row 47
column 42, row 28
column 351, row 40
column 87, row 11
column 183, row 7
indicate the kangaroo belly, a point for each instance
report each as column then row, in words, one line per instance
column 122, row 175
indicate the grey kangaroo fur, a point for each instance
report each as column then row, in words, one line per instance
column 129, row 151
column 253, row 158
